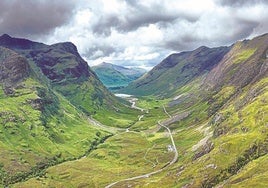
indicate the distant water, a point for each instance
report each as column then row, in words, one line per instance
column 122, row 95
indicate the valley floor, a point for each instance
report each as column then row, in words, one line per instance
column 168, row 147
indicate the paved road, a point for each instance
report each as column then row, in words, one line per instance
column 175, row 158
column 171, row 137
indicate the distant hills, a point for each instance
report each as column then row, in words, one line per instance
column 115, row 77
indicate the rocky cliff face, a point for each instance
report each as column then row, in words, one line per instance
column 245, row 63
column 13, row 69
column 58, row 62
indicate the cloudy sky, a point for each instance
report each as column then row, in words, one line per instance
column 134, row 32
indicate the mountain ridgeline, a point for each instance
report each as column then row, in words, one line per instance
column 176, row 70
column 115, row 77
column 217, row 66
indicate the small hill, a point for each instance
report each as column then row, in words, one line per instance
column 114, row 76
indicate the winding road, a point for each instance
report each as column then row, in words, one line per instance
column 175, row 158
column 133, row 104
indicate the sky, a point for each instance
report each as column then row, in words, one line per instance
column 138, row 33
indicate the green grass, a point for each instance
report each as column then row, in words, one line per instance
column 30, row 137
column 243, row 55
column 122, row 155
column 118, row 158
column 251, row 175
column 95, row 101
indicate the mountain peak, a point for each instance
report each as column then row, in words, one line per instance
column 202, row 48
column 105, row 64
column 5, row 36
column 67, row 46
column 18, row 43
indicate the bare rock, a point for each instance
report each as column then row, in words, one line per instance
column 204, row 149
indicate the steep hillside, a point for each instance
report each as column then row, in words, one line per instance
column 176, row 70
column 61, row 67
column 13, row 69
column 229, row 107
column 115, row 77
column 38, row 127
column 245, row 63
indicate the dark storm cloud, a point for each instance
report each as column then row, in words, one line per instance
column 239, row 3
column 130, row 22
column 138, row 16
column 105, row 24
column 133, row 22
column 176, row 45
column 99, row 51
column 33, row 17
column 137, row 32
column 243, row 28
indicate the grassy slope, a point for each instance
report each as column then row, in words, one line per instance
column 41, row 127
column 119, row 157
column 28, row 139
column 96, row 101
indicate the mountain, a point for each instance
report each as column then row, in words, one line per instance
column 36, row 130
column 223, row 100
column 61, row 67
column 114, row 76
column 176, row 70
column 48, row 96
column 245, row 57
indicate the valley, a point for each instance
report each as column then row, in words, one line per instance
column 197, row 119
